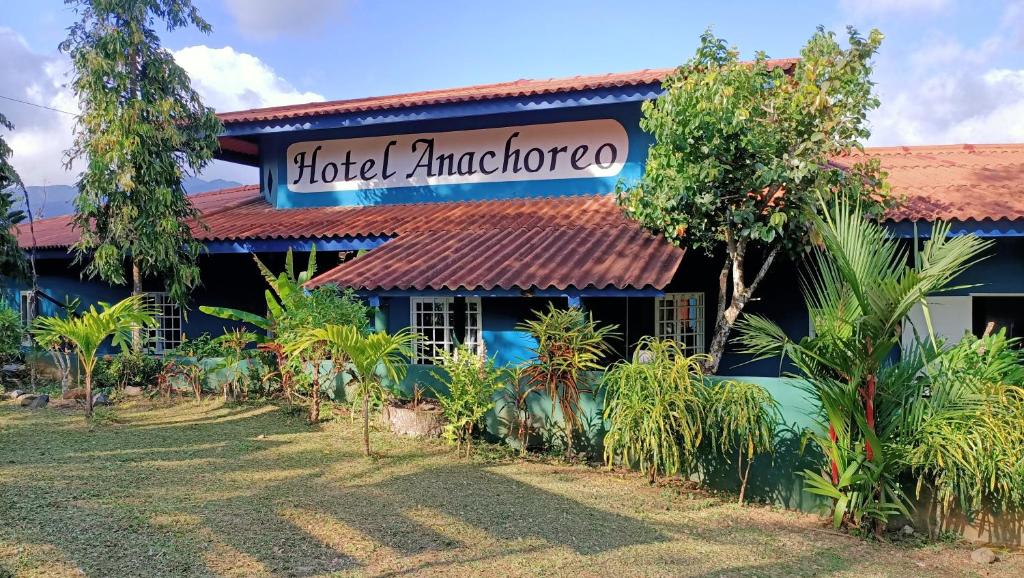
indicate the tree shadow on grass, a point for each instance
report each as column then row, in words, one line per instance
column 496, row 505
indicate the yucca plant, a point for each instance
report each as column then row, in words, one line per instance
column 859, row 291
column 653, row 408
column 372, row 358
column 88, row 331
column 568, row 344
column 741, row 417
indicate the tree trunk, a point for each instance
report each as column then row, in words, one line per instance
column 731, row 304
column 366, row 423
column 314, row 402
column 88, row 393
column 744, row 474
column 136, row 290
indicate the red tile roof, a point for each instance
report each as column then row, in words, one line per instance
column 56, row 232
column 953, row 182
column 514, row 89
column 511, row 255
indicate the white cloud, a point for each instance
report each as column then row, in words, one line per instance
column 227, row 80
column 271, row 18
column 865, row 8
column 949, row 93
column 40, row 136
column 230, row 80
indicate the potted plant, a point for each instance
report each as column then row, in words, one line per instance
column 418, row 416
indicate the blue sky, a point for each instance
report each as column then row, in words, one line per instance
column 949, row 70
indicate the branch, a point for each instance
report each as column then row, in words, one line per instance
column 764, row 269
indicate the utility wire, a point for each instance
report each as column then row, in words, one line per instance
column 38, row 105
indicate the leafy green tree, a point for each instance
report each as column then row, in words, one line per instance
column 141, row 130
column 742, row 152
column 88, row 331
column 12, row 260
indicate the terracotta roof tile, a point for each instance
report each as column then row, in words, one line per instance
column 953, row 182
column 56, row 232
column 514, row 89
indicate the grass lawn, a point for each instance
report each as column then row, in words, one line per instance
column 212, row 490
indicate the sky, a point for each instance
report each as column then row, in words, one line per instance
column 949, row 71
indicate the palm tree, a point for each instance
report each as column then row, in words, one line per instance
column 373, row 358
column 88, row 331
column 859, row 292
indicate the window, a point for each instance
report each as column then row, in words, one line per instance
column 167, row 333
column 27, row 307
column 1001, row 311
column 433, row 322
column 680, row 316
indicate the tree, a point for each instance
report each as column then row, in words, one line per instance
column 88, row 331
column 12, row 260
column 142, row 128
column 859, row 293
column 742, row 151
column 373, row 358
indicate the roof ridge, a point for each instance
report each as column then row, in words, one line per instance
column 531, row 86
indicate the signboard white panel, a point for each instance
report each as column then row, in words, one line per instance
column 565, row 150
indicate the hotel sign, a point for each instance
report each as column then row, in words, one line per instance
column 565, row 150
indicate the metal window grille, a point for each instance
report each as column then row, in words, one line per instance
column 433, row 324
column 27, row 308
column 680, row 317
column 167, row 333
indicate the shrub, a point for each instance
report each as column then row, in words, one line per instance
column 321, row 307
column 965, row 424
column 128, row 368
column 472, row 380
column 204, row 346
column 11, row 334
column 741, row 417
column 653, row 408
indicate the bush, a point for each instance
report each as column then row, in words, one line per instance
column 741, row 418
column 965, row 430
column 472, row 381
column 653, row 407
column 128, row 368
column 203, row 347
column 11, row 334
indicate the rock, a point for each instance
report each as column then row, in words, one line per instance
column 907, row 530
column 132, row 391
column 15, row 394
column 25, row 399
column 984, row 556
column 39, row 402
column 101, row 399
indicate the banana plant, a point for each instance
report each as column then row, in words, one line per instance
column 284, row 289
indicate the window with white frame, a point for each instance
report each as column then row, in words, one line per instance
column 680, row 317
column 27, row 307
column 167, row 333
column 432, row 320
